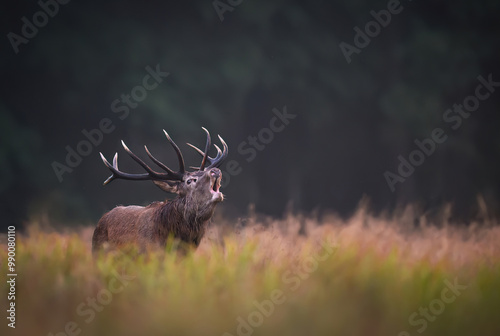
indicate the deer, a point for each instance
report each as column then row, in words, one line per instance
column 185, row 217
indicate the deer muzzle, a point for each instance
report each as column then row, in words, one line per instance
column 215, row 182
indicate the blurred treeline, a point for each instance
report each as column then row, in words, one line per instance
column 353, row 120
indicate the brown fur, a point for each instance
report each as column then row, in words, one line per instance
column 184, row 218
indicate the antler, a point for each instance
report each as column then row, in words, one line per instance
column 217, row 160
column 170, row 175
column 179, row 157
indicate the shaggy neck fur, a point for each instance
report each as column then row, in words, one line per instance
column 178, row 217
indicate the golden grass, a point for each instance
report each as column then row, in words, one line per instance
column 363, row 276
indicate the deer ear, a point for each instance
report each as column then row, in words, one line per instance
column 170, row 187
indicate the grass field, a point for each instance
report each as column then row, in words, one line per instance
column 363, row 276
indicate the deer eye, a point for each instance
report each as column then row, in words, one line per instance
column 190, row 180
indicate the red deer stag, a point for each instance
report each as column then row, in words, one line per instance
column 185, row 217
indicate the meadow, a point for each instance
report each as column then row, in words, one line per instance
column 391, row 276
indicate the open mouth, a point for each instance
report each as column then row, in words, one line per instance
column 216, row 184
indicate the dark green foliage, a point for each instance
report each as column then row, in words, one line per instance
column 353, row 120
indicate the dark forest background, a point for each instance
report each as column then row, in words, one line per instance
column 352, row 121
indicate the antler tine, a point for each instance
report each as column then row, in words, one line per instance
column 161, row 165
column 118, row 174
column 219, row 158
column 107, row 164
column 151, row 172
column 178, row 152
column 207, row 147
column 219, row 153
column 195, row 148
column 115, row 160
column 211, row 160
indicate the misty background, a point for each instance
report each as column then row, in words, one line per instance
column 228, row 69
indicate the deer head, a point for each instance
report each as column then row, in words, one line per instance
column 200, row 187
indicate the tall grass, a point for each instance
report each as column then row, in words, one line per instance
column 363, row 276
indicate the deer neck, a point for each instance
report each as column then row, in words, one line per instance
column 179, row 217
